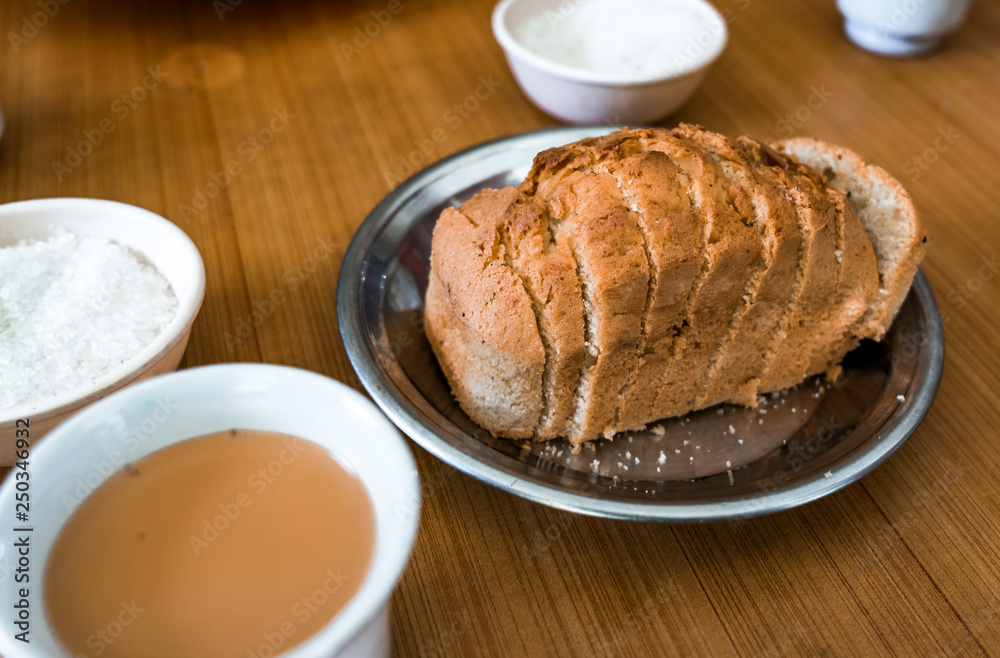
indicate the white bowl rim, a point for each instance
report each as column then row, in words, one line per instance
column 337, row 634
column 187, row 310
column 512, row 46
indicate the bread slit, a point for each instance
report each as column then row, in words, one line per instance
column 482, row 328
column 576, row 429
column 651, row 289
column 651, row 293
column 549, row 276
column 576, row 354
column 545, row 414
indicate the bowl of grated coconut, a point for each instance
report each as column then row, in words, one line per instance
column 94, row 295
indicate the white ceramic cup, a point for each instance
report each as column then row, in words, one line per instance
column 79, row 455
column 901, row 28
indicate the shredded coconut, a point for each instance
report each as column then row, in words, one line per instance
column 633, row 39
column 72, row 309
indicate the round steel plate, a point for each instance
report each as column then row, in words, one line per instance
column 722, row 463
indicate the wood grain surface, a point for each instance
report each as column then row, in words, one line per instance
column 905, row 562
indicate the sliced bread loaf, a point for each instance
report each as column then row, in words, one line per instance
column 647, row 273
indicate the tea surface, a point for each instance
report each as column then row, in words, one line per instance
column 241, row 544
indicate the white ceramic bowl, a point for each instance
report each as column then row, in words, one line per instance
column 199, row 401
column 901, row 28
column 576, row 95
column 160, row 242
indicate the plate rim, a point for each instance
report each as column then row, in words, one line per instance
column 868, row 456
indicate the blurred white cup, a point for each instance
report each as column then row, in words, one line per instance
column 901, row 28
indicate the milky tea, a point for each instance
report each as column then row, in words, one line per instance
column 240, row 544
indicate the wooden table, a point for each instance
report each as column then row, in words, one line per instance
column 267, row 139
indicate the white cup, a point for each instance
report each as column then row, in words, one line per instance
column 901, row 28
column 200, row 401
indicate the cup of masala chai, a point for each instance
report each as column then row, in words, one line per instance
column 236, row 510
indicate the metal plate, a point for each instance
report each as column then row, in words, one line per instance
column 722, row 463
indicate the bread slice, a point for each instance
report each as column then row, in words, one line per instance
column 857, row 290
column 482, row 328
column 613, row 270
column 548, row 273
column 887, row 212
